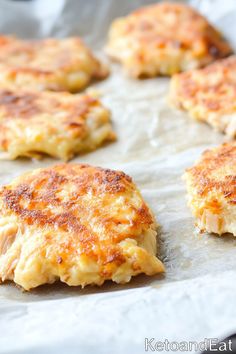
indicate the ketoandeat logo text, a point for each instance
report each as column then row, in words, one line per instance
column 210, row 344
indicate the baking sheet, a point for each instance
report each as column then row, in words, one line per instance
column 196, row 298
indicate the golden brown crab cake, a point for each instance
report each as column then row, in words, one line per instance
column 48, row 64
column 59, row 124
column 211, row 186
column 75, row 223
column 209, row 94
column 164, row 39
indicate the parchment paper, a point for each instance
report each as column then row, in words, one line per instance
column 196, row 298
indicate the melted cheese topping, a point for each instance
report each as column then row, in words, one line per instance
column 211, row 185
column 209, row 94
column 164, row 39
column 49, row 64
column 77, row 223
column 58, row 124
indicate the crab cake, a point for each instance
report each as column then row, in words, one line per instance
column 49, row 64
column 75, row 223
column 209, row 94
column 211, row 186
column 164, row 39
column 58, row 124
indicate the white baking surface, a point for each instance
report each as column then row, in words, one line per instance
column 196, row 298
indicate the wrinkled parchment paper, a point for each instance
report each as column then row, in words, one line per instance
column 196, row 298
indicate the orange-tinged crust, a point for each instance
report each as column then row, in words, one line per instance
column 209, row 94
column 77, row 223
column 164, row 39
column 58, row 124
column 211, row 185
column 49, row 64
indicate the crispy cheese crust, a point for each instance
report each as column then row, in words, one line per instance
column 58, row 124
column 75, row 223
column 49, row 64
column 211, row 186
column 164, row 39
column 209, row 94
